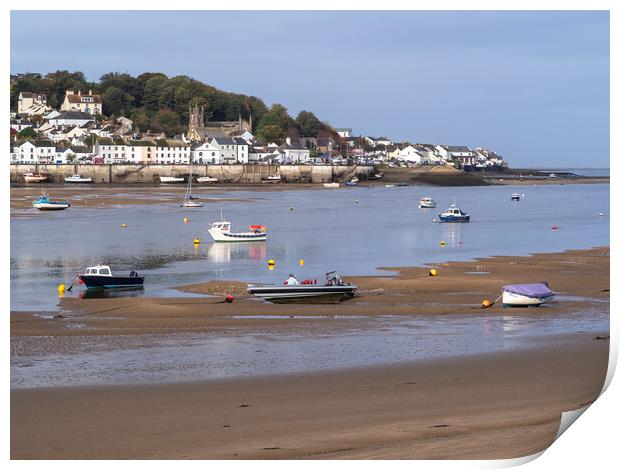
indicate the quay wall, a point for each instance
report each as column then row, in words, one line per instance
column 233, row 174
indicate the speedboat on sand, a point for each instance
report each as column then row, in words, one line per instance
column 78, row 179
column 171, row 179
column 334, row 290
column 526, row 295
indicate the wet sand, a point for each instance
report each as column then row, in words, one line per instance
column 582, row 276
column 496, row 405
column 502, row 405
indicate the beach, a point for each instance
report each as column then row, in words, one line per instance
column 502, row 404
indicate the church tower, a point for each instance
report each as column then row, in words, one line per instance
column 196, row 127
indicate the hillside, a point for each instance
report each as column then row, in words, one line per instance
column 160, row 103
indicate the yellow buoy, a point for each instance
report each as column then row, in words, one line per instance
column 432, row 272
column 301, row 262
column 185, row 220
column 271, row 262
column 61, row 288
column 486, row 303
column 271, row 267
column 196, row 241
column 124, row 225
column 443, row 243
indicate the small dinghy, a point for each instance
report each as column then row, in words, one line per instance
column 334, row 290
column 515, row 197
column 331, row 185
column 101, row 277
column 526, row 295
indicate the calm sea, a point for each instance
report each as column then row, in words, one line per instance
column 352, row 230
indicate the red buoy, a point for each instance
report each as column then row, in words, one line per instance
column 229, row 299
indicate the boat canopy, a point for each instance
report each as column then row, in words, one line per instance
column 98, row 270
column 537, row 290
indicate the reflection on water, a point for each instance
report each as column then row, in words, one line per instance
column 327, row 229
column 225, row 252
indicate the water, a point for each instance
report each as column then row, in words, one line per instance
column 328, row 229
column 305, row 346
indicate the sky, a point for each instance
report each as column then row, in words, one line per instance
column 532, row 86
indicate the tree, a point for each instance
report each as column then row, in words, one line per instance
column 152, row 90
column 123, row 81
column 141, row 120
column 28, row 133
column 115, row 101
column 309, row 124
column 270, row 133
column 166, row 120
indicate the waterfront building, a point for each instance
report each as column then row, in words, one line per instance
column 294, row 152
column 206, row 153
column 36, row 151
column 170, row 151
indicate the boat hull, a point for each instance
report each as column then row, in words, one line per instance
column 206, row 179
column 35, row 179
column 331, row 185
column 171, row 180
column 191, row 204
column 80, row 181
column 111, row 282
column 510, row 299
column 451, row 218
column 48, row 206
column 303, row 294
column 231, row 237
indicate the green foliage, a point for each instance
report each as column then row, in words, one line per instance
column 309, row 124
column 268, row 133
column 28, row 133
column 155, row 101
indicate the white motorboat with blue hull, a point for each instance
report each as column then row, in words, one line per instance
column 526, row 295
column 453, row 214
column 101, row 277
column 333, row 291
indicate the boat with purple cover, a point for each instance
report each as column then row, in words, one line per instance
column 526, row 295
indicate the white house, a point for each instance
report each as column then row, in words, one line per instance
column 344, row 131
column 411, row 155
column 294, row 152
column 243, row 150
column 206, row 153
column 227, row 148
column 70, row 118
column 21, row 124
column 33, row 152
column 169, row 151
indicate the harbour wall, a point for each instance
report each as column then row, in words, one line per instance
column 233, row 174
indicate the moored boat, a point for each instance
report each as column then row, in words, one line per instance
column 206, row 179
column 334, row 290
column 515, row 197
column 376, row 176
column 426, row 203
column 331, row 185
column 32, row 177
column 78, row 179
column 453, row 214
column 221, row 233
column 101, row 277
column 45, row 203
column 274, row 178
column 526, row 295
column 188, row 199
column 171, row 179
